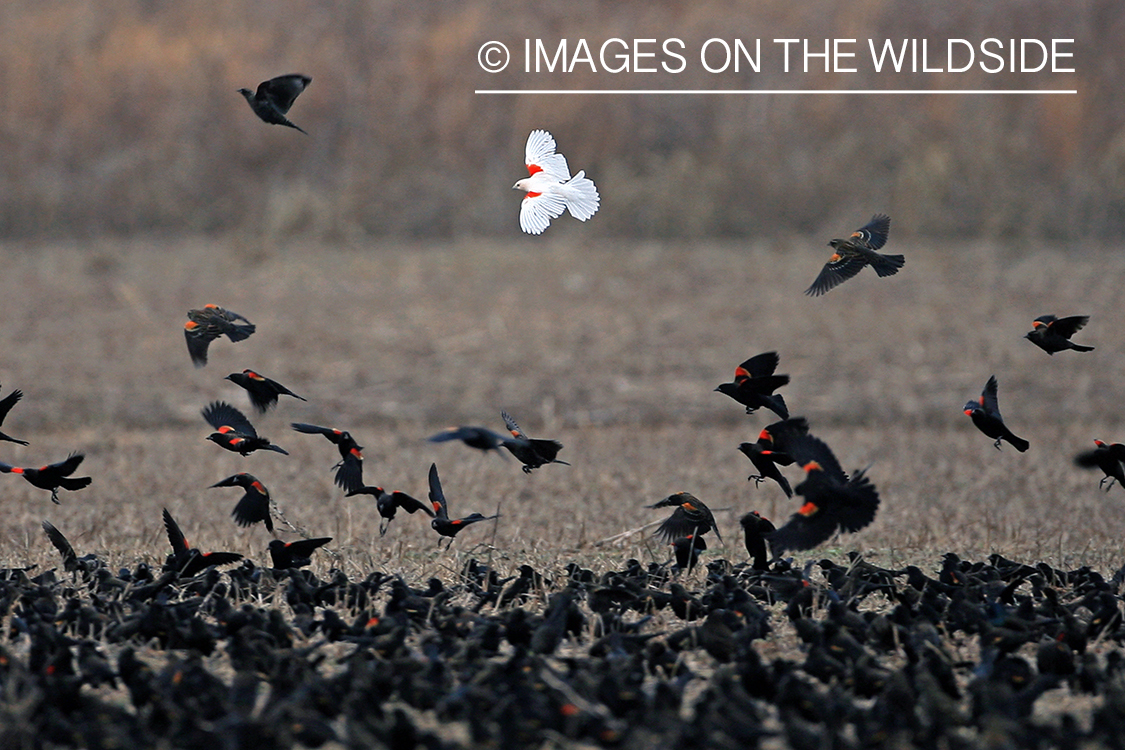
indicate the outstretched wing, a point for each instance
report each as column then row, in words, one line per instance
column 836, row 271
column 284, row 90
column 538, row 209
column 225, row 418
column 437, row 497
column 540, row 156
column 8, row 402
column 175, row 536
column 874, row 233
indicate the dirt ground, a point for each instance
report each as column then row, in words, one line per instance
column 612, row 347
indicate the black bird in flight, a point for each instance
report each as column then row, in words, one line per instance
column 855, row 252
column 272, row 100
column 263, row 392
column 442, row 523
column 233, row 430
column 52, row 476
column 985, row 413
column 208, row 323
column 1053, row 334
column 754, row 385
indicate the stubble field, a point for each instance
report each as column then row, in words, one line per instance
column 611, row 347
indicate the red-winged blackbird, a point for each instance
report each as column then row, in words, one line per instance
column 442, row 523
column 1108, row 457
column 187, row 560
column 531, row 452
column 207, row 324
column 349, row 472
column 263, row 391
column 756, row 528
column 1053, row 334
column 295, row 554
column 754, row 385
column 985, row 413
column 6, row 405
column 388, row 503
column 481, row 438
column 833, row 502
column 52, row 476
column 690, row 517
column 855, row 252
column 274, row 97
column 254, row 505
column 687, row 549
column 233, row 430
column 769, row 451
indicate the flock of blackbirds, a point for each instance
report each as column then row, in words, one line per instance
column 887, row 658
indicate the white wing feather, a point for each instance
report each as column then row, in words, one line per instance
column 537, row 211
column 540, row 152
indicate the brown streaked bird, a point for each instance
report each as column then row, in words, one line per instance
column 6, row 405
column 273, row 98
column 768, row 452
column 349, row 472
column 1052, row 334
column 389, row 503
column 254, row 505
column 754, row 385
column 833, row 502
column 1109, row 457
column 263, row 391
column 690, row 518
column 295, row 554
column 531, row 452
column 855, row 252
column 985, row 413
column 52, row 477
column 755, row 527
column 187, row 560
column 234, row 432
column 208, row 323
column 442, row 523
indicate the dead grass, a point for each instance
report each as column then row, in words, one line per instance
column 613, row 348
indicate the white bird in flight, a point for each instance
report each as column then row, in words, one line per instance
column 550, row 188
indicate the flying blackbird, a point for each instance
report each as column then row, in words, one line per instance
column 756, row 528
column 442, row 523
column 272, row 100
column 754, row 385
column 832, row 500
column 187, row 560
column 1109, row 458
column 769, row 451
column 481, row 438
column 985, row 413
column 207, row 324
column 295, row 554
column 1053, row 334
column 349, row 472
column 254, row 505
column 690, row 518
column 531, row 452
column 855, row 252
column 233, row 430
column 263, row 391
column 388, row 503
column 52, row 476
column 687, row 549
column 6, row 405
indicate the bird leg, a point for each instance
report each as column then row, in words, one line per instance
column 527, row 469
column 758, row 479
column 55, row 496
column 997, row 444
column 1111, row 480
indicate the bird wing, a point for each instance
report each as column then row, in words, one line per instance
column 1065, row 327
column 807, row 449
column 60, row 543
column 65, row 467
column 283, row 90
column 836, row 271
column 988, row 397
column 175, row 536
column 8, row 402
column 311, row 429
column 540, row 156
column 757, row 366
column 537, row 210
column 220, row 415
column 512, row 426
column 874, row 233
column 410, row 504
column 437, row 497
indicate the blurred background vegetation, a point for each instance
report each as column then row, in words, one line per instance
column 122, row 117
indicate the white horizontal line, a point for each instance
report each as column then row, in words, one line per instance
column 783, row 92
